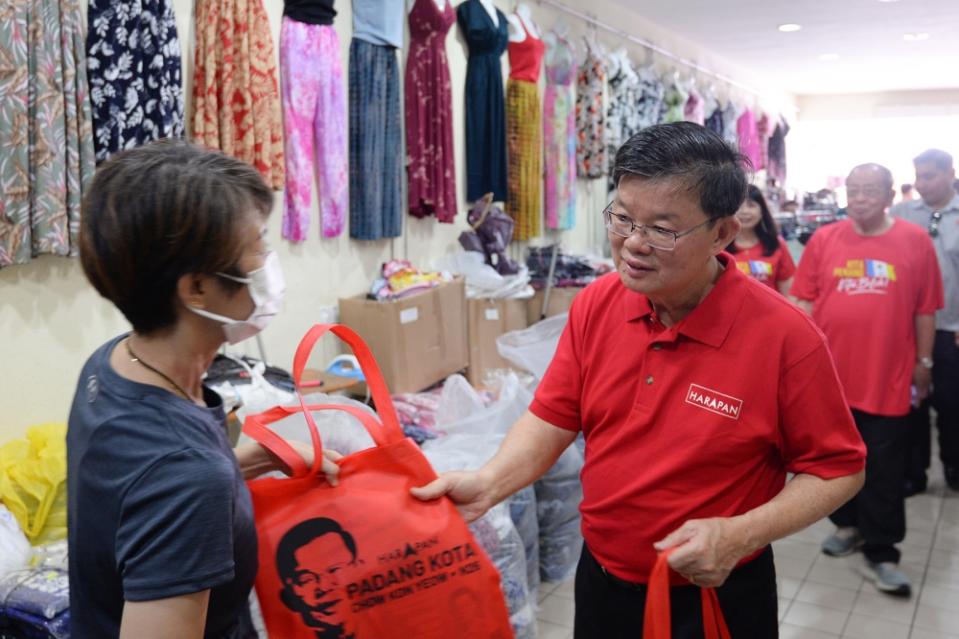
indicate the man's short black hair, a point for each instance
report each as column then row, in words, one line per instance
column 698, row 159
column 302, row 534
column 940, row 159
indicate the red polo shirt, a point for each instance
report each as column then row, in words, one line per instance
column 768, row 269
column 703, row 419
column 866, row 293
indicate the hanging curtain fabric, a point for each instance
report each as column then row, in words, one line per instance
column 591, row 116
column 46, row 137
column 749, row 139
column 763, row 131
column 695, row 108
column 622, row 114
column 524, row 134
column 376, row 141
column 485, row 105
column 429, row 113
column 777, row 150
column 134, row 68
column 314, row 120
column 674, row 102
column 236, row 105
column 559, row 128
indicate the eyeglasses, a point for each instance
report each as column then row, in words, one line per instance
column 657, row 237
column 934, row 224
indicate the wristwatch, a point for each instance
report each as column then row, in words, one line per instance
column 926, row 362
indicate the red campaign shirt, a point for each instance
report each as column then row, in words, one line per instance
column 866, row 292
column 768, row 269
column 703, row 419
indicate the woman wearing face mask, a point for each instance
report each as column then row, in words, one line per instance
column 759, row 250
column 161, row 534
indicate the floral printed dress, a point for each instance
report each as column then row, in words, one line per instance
column 133, row 63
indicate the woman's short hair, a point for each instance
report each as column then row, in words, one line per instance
column 160, row 211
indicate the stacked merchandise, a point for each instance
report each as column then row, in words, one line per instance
column 399, row 279
column 34, row 601
column 568, row 270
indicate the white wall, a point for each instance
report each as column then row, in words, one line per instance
column 51, row 319
column 837, row 132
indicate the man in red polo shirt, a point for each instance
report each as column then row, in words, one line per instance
column 872, row 283
column 697, row 389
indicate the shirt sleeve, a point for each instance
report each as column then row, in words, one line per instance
column 819, row 436
column 557, row 399
column 175, row 534
column 787, row 268
column 806, row 284
column 930, row 296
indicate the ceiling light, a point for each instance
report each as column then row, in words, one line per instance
column 789, row 27
column 915, row 37
column 828, row 57
column 888, row 1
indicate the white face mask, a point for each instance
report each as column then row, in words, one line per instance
column 267, row 286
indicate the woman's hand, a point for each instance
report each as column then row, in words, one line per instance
column 255, row 460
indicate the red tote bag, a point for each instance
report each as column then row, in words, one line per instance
column 365, row 559
column 656, row 621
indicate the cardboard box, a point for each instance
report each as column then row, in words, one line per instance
column 418, row 340
column 559, row 301
column 488, row 319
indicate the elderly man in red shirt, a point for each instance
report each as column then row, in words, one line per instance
column 697, row 390
column 872, row 283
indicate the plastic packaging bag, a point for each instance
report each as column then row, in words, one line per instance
column 522, row 510
column 15, row 551
column 338, row 430
column 497, row 535
column 558, row 496
column 532, row 348
column 43, row 593
column 33, row 473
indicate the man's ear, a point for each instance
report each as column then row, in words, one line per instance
column 728, row 228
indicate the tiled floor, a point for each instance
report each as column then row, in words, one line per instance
column 822, row 597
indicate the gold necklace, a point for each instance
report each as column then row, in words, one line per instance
column 135, row 358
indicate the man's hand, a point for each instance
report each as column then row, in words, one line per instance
column 706, row 550
column 470, row 491
column 922, row 380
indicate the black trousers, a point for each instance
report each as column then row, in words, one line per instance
column 606, row 609
column 945, row 400
column 879, row 509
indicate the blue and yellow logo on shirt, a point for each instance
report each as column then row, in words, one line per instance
column 756, row 268
column 864, row 276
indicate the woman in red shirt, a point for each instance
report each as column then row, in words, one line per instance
column 759, row 250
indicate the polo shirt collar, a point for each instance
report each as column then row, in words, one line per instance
column 711, row 321
column 952, row 206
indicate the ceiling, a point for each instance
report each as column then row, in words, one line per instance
column 867, row 35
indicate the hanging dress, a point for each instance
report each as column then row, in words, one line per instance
column 46, row 137
column 524, row 135
column 622, row 111
column 559, row 128
column 485, row 105
column 431, row 158
column 376, row 140
column 591, row 117
column 133, row 65
column 236, row 104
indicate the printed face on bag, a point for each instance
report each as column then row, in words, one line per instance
column 310, row 559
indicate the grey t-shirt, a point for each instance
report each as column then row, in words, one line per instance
column 947, row 250
column 157, row 506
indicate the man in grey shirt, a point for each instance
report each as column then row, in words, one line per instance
column 938, row 211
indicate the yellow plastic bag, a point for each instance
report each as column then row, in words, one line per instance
column 33, row 474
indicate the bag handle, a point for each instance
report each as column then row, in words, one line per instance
column 256, row 428
column 392, row 432
column 656, row 620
